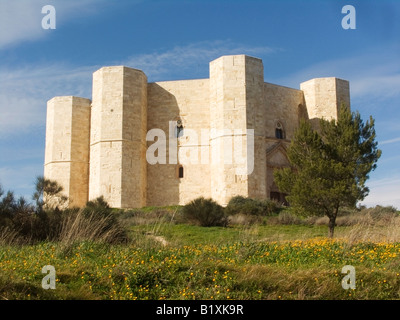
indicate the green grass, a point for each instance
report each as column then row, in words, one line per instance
column 308, row 269
column 181, row 234
column 261, row 261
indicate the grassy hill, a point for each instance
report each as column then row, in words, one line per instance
column 276, row 257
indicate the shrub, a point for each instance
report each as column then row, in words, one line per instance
column 94, row 222
column 248, row 206
column 244, row 219
column 49, row 195
column 286, row 217
column 9, row 236
column 23, row 224
column 379, row 212
column 377, row 216
column 92, row 226
column 205, row 212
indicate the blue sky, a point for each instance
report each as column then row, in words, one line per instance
column 173, row 40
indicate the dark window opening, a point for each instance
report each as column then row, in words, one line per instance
column 180, row 172
column 179, row 129
column 279, row 197
column 279, row 133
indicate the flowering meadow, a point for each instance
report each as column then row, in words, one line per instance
column 287, row 269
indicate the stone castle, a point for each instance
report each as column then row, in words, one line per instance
column 99, row 147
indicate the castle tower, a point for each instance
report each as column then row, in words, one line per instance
column 236, row 86
column 67, row 146
column 323, row 97
column 256, row 120
column 118, row 137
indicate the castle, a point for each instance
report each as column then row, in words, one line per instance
column 102, row 147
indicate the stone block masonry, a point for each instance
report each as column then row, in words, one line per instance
column 98, row 148
column 118, row 137
column 67, row 146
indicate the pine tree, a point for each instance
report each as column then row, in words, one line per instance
column 330, row 166
column 48, row 194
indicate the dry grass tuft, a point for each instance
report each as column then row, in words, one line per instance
column 244, row 219
column 92, row 227
column 9, row 237
column 375, row 232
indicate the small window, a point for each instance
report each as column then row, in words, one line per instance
column 180, row 172
column 179, row 129
column 279, row 134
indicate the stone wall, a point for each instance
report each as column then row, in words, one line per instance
column 168, row 102
column 283, row 106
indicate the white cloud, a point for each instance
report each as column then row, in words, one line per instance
column 183, row 59
column 373, row 74
column 384, row 192
column 25, row 91
column 21, row 20
column 390, row 141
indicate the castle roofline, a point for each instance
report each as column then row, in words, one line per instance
column 321, row 78
column 67, row 97
column 120, row 67
column 238, row 55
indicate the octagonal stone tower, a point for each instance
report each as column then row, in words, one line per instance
column 118, row 137
column 324, row 96
column 67, row 146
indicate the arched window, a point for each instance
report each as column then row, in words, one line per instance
column 279, row 133
column 179, row 129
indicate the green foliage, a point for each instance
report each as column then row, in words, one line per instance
column 21, row 222
column 99, row 211
column 248, row 206
column 27, row 222
column 48, row 195
column 13, row 211
column 330, row 167
column 285, row 217
column 100, row 208
column 205, row 212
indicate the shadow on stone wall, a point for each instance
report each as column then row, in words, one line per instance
column 162, row 179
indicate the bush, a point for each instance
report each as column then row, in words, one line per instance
column 205, row 212
column 286, row 217
column 244, row 219
column 90, row 225
column 248, row 206
column 95, row 222
column 23, row 224
column 379, row 212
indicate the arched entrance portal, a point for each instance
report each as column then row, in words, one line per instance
column 276, row 159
